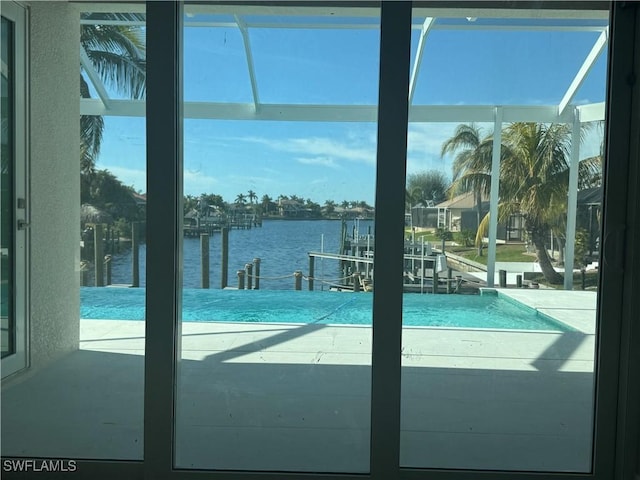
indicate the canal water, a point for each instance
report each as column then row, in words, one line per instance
column 281, row 245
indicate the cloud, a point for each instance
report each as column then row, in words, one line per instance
column 132, row 139
column 357, row 151
column 321, row 161
column 320, row 181
column 424, row 144
column 194, row 182
column 129, row 176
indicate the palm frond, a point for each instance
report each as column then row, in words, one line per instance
column 129, row 41
column 91, row 128
column 483, row 229
column 118, row 54
column 124, row 74
column 464, row 137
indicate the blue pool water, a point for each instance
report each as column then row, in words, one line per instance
column 463, row 311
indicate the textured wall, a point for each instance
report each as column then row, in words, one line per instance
column 54, row 179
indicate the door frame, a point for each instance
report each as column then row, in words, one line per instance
column 19, row 360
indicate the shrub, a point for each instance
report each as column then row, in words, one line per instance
column 443, row 234
column 467, row 237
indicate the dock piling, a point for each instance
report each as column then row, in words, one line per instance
column 435, row 280
column 312, row 265
column 107, row 265
column 503, row 278
column 297, row 277
column 135, row 255
column 356, row 282
column 224, row 269
column 204, row 260
column 449, row 277
column 519, row 281
column 248, row 268
column 98, row 254
column 256, row 272
column 240, row 279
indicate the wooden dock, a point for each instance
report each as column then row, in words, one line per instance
column 202, row 225
column 422, row 272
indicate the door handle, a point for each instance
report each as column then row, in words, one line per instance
column 23, row 224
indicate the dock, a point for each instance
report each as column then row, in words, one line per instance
column 423, row 273
column 194, row 227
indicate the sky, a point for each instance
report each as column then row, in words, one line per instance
column 336, row 161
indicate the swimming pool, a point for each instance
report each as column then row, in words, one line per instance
column 461, row 311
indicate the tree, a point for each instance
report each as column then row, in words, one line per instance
column 471, row 165
column 213, row 200
column 329, row 207
column 241, row 199
column 534, row 180
column 190, row 203
column 118, row 55
column 104, row 191
column 251, row 195
column 266, row 203
column 313, row 208
column 430, row 185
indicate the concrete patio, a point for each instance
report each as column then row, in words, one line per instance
column 297, row 397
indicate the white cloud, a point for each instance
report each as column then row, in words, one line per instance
column 424, row 144
column 320, row 181
column 321, row 147
column 129, row 176
column 195, row 182
column 321, row 161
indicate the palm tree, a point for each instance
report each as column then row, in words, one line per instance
column 266, row 203
column 241, row 199
column 471, row 165
column 534, row 180
column 411, row 198
column 329, row 207
column 117, row 53
column 251, row 195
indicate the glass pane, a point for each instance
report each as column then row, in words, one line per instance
column 7, row 280
column 273, row 378
column 498, row 373
column 522, row 43
column 83, row 398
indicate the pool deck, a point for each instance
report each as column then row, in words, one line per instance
column 297, row 397
column 574, row 308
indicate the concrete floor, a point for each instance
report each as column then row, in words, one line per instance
column 297, row 397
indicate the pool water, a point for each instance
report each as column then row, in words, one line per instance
column 461, row 311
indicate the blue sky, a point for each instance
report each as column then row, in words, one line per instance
column 336, row 161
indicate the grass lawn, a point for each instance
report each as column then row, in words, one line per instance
column 504, row 253
column 429, row 236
